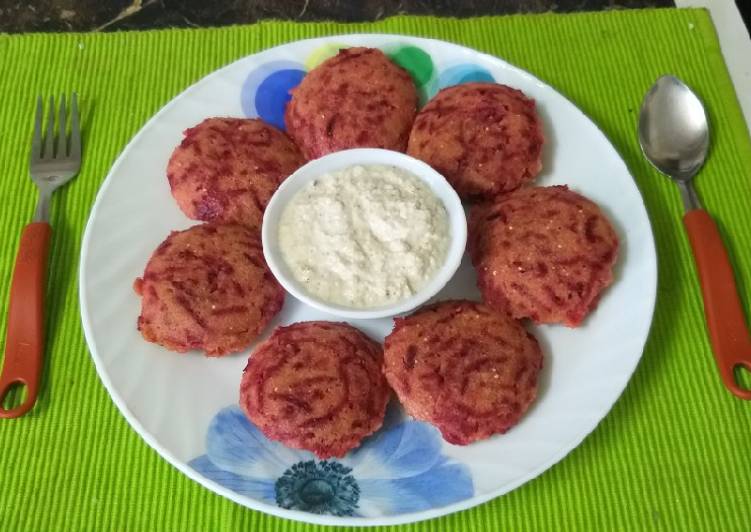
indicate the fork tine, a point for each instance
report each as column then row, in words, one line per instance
column 36, row 141
column 49, row 136
column 62, row 150
column 75, row 132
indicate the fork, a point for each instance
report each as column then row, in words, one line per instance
column 50, row 167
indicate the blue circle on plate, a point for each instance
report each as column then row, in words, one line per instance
column 467, row 73
column 266, row 91
column 273, row 94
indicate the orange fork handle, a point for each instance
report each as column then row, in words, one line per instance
column 24, row 343
column 728, row 333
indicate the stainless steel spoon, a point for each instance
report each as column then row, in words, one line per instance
column 674, row 136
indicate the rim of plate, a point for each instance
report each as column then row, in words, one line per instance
column 330, row 520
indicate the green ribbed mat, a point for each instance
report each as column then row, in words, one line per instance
column 674, row 453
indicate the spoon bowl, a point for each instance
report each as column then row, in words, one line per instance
column 673, row 129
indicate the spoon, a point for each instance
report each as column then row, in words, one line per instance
column 674, row 136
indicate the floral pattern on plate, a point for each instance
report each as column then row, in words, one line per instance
column 399, row 469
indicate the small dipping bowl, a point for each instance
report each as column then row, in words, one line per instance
column 365, row 157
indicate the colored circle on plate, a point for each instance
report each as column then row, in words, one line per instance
column 320, row 54
column 466, row 73
column 415, row 61
column 266, row 91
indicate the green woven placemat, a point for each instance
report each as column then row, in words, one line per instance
column 674, row 453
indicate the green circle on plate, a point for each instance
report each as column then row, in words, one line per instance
column 415, row 61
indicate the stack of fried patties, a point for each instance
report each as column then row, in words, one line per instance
column 469, row 368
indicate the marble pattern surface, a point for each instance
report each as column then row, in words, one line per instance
column 109, row 15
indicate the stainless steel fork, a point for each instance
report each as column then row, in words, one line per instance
column 51, row 165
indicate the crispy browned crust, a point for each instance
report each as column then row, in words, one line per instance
column 316, row 386
column 227, row 169
column 485, row 138
column 207, row 288
column 467, row 369
column 544, row 253
column 356, row 99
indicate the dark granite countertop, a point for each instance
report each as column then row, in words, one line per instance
column 109, row 15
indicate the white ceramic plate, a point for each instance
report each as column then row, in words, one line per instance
column 183, row 405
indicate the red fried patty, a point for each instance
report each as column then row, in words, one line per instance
column 207, row 288
column 227, row 169
column 467, row 369
column 356, row 99
column 544, row 253
column 316, row 386
column 485, row 138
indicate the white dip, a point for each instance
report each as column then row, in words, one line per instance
column 364, row 236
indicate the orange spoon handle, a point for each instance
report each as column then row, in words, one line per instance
column 728, row 333
column 24, row 343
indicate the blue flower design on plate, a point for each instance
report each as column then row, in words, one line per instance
column 400, row 469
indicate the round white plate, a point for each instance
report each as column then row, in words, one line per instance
column 183, row 405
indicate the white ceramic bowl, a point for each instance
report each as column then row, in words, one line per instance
column 365, row 156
